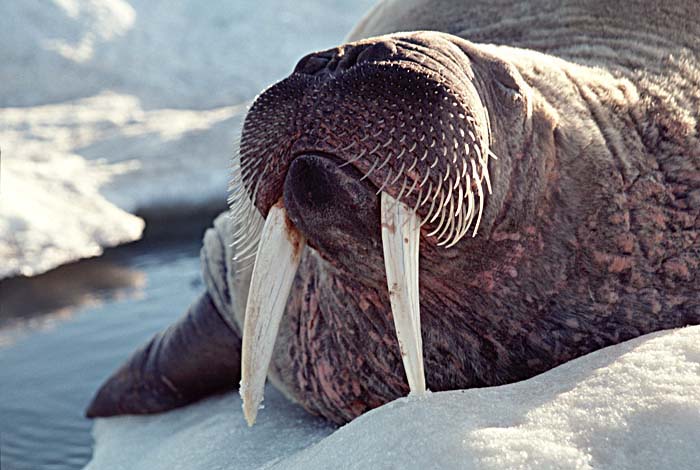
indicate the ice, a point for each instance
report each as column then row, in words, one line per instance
column 631, row 406
column 109, row 106
column 208, row 435
column 71, row 170
column 52, row 213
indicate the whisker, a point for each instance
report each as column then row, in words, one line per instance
column 459, row 227
column 481, row 199
column 420, row 194
column 432, row 205
column 354, row 159
column 366, row 175
column 427, row 175
column 349, row 146
column 412, row 188
column 450, row 219
column 442, row 199
column 399, row 173
column 386, row 160
column 386, row 180
column 403, row 188
column 427, row 194
column 440, row 211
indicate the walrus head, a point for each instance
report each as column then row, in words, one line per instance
column 426, row 120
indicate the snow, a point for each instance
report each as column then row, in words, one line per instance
column 52, row 212
column 631, row 406
column 114, row 107
column 208, row 435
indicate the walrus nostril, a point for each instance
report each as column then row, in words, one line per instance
column 340, row 59
column 351, row 56
column 314, row 63
column 381, row 50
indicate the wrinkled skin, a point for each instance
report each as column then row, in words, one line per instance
column 589, row 236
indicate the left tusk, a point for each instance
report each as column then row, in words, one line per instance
column 400, row 239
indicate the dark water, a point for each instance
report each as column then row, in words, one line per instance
column 62, row 333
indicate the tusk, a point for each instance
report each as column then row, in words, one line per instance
column 400, row 239
column 276, row 263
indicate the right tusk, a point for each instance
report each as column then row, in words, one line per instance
column 276, row 264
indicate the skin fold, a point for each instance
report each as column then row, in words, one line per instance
column 585, row 115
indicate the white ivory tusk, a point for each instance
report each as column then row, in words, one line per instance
column 276, row 263
column 400, row 239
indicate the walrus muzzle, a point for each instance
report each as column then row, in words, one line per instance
column 407, row 121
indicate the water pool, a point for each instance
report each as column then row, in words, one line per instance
column 62, row 333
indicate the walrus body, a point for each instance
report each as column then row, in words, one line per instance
column 589, row 235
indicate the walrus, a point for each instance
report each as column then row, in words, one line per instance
column 465, row 194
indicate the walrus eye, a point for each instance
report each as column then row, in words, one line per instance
column 506, row 83
column 510, row 94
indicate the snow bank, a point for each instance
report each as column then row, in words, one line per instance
column 631, row 406
column 132, row 105
column 208, row 435
column 52, row 212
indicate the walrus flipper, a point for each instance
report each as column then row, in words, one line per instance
column 199, row 355
column 196, row 357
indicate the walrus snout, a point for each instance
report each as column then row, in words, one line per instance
column 403, row 110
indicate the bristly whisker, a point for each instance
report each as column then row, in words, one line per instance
column 481, row 200
column 403, row 188
column 386, row 180
column 399, row 173
column 354, row 159
column 243, row 213
column 435, row 215
column 418, row 198
column 425, row 179
column 449, row 219
column 386, row 160
column 438, row 212
column 427, row 194
column 349, row 146
column 369, row 172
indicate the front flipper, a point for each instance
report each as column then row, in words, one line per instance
column 198, row 356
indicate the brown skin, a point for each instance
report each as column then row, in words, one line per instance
column 589, row 238
column 178, row 366
column 571, row 256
